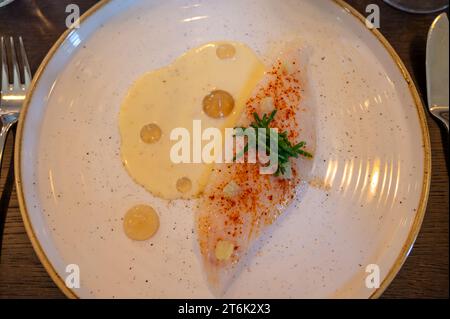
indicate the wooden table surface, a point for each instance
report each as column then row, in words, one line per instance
column 425, row 273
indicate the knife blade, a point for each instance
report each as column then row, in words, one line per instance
column 437, row 68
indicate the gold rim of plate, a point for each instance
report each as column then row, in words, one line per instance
column 401, row 258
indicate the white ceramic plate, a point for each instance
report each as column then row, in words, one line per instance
column 372, row 150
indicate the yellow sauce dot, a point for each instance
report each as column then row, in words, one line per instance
column 224, row 249
column 184, row 185
column 150, row 133
column 218, row 104
column 225, row 51
column 141, row 222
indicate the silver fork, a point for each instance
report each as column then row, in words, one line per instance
column 13, row 91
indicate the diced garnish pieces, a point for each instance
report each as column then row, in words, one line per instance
column 288, row 171
column 232, row 189
column 288, row 67
column 224, row 250
column 267, row 105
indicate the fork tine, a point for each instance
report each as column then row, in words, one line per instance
column 15, row 65
column 4, row 69
column 26, row 65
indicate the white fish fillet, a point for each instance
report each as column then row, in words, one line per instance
column 239, row 220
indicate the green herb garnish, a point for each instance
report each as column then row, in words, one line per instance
column 285, row 148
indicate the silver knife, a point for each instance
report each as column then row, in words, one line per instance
column 437, row 68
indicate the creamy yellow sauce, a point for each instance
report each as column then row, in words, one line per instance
column 174, row 96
